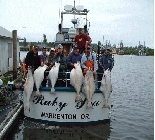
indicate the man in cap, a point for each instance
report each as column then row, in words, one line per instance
column 61, row 58
column 50, row 63
column 88, row 60
column 105, row 62
column 82, row 40
column 43, row 55
column 73, row 57
column 32, row 58
column 49, row 60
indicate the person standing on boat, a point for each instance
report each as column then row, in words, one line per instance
column 73, row 57
column 50, row 63
column 105, row 62
column 61, row 58
column 82, row 40
column 49, row 60
column 43, row 56
column 88, row 60
column 32, row 59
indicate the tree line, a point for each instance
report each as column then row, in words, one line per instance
column 99, row 47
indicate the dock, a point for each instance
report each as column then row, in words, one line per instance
column 10, row 111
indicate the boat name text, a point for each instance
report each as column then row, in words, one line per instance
column 60, row 105
column 40, row 100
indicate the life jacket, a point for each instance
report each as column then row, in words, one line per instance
column 89, row 64
column 56, row 50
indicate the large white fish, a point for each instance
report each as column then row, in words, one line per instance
column 53, row 75
column 28, row 88
column 106, row 87
column 76, row 79
column 38, row 77
column 89, row 87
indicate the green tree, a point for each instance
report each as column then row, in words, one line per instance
column 24, row 42
column 51, row 44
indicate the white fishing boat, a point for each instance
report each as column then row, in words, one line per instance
column 61, row 108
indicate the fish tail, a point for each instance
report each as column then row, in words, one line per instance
column 89, row 105
column 37, row 93
column 52, row 90
column 78, row 98
column 106, row 106
column 27, row 106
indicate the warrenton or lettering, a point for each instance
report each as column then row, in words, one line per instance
column 58, row 116
column 40, row 100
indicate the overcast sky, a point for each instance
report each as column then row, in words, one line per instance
column 128, row 20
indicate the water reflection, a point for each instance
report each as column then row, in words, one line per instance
column 29, row 130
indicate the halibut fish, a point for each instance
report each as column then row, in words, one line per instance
column 106, row 87
column 76, row 79
column 89, row 87
column 28, row 88
column 53, row 75
column 38, row 77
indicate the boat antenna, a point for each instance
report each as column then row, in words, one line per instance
column 74, row 4
column 59, row 12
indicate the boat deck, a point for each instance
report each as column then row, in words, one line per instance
column 5, row 109
column 62, row 89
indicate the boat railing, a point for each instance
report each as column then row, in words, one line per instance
column 65, row 77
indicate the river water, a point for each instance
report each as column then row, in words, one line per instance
column 132, row 112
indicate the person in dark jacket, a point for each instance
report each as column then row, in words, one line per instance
column 32, row 59
column 105, row 62
column 73, row 57
column 61, row 58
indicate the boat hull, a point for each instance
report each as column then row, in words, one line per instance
column 61, row 108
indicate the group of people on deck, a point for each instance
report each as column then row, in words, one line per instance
column 81, row 53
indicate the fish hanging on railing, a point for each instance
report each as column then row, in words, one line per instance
column 53, row 75
column 89, row 86
column 28, row 88
column 38, row 77
column 106, row 87
column 76, row 79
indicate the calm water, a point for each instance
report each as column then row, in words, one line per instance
column 132, row 112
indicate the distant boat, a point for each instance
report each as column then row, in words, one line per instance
column 131, row 55
column 120, row 52
column 114, row 51
column 141, row 53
